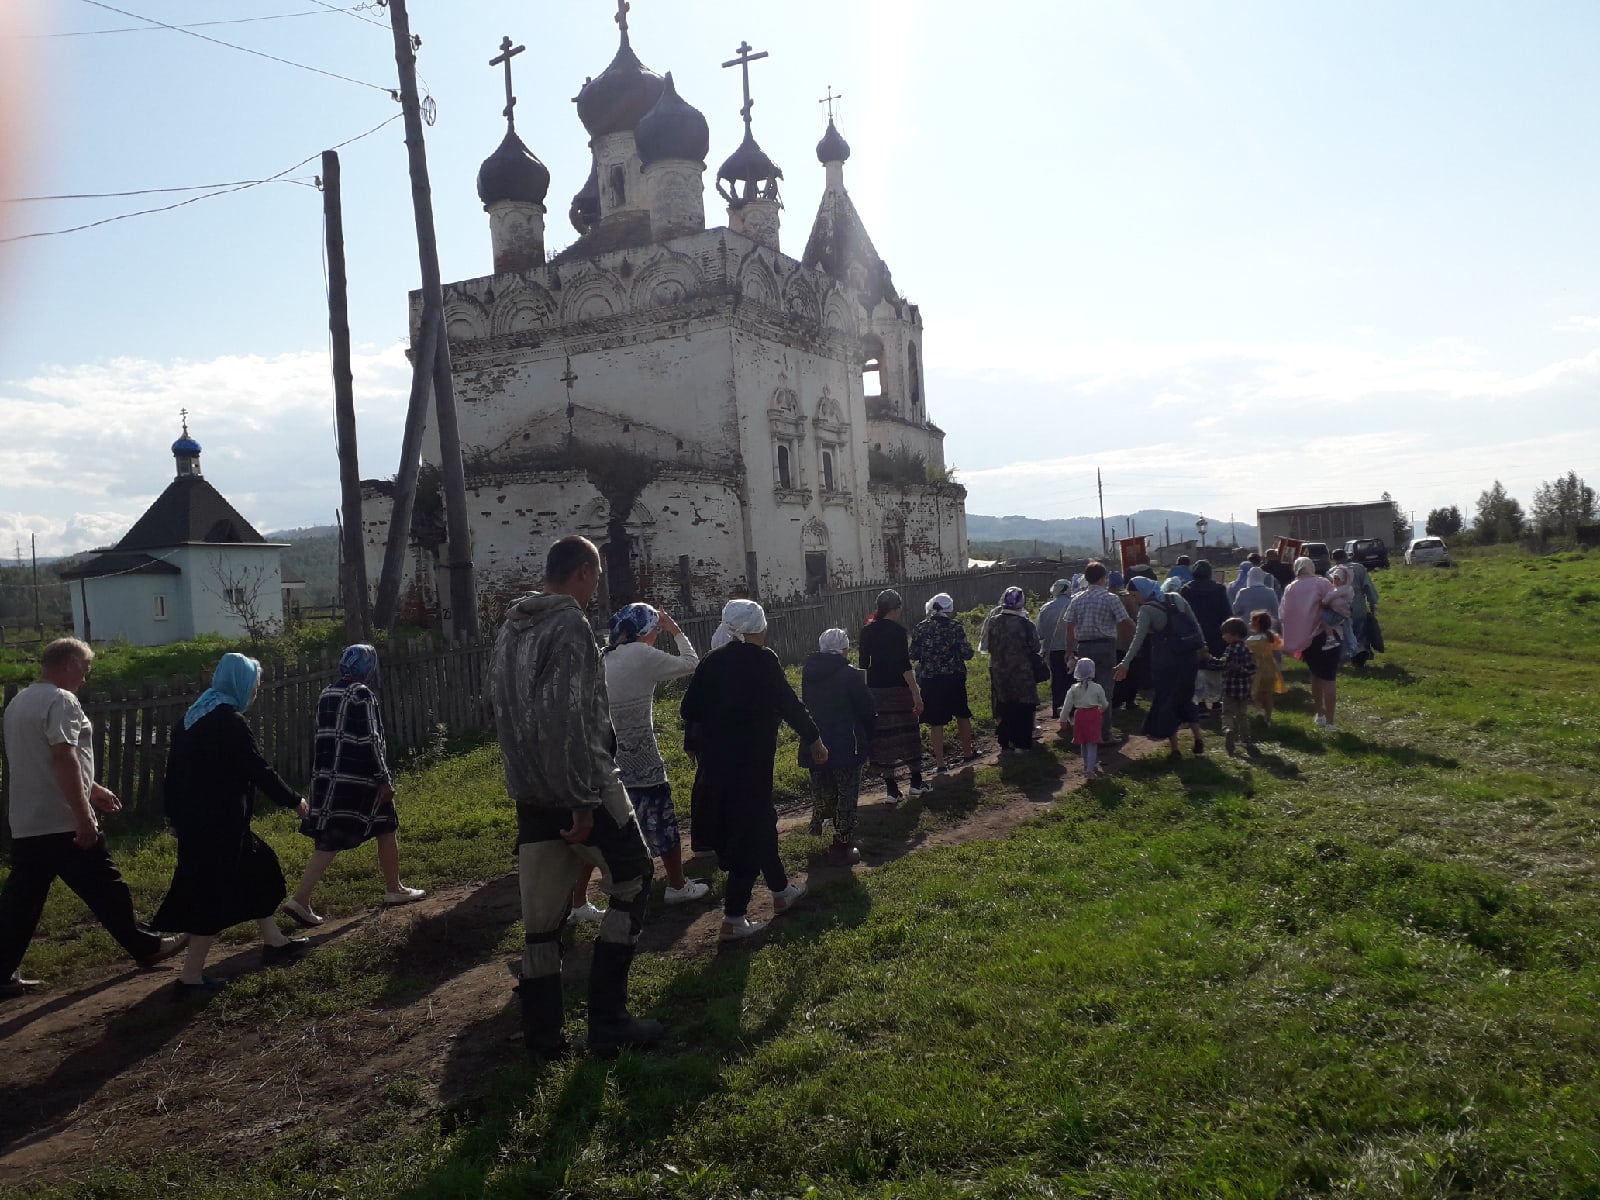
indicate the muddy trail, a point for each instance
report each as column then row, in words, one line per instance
column 106, row 1067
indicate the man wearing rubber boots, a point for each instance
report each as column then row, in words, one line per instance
column 554, row 727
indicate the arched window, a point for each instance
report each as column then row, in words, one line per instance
column 619, row 185
column 827, row 470
column 914, row 373
column 784, row 478
column 871, row 367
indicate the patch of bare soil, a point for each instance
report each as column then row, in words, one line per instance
column 112, row 1069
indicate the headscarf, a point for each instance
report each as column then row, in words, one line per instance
column 1202, row 569
column 833, row 641
column 1259, row 578
column 642, row 618
column 1060, row 586
column 1084, row 671
column 1304, row 566
column 1147, row 588
column 1339, row 575
column 233, row 682
column 1078, row 583
column 359, row 661
column 743, row 617
column 1013, row 599
column 1171, row 584
column 942, row 603
column 1115, row 581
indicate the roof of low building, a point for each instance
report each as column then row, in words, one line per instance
column 118, row 562
column 1330, row 504
column 190, row 511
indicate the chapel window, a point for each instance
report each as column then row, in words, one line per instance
column 619, row 185
column 784, row 477
column 827, row 471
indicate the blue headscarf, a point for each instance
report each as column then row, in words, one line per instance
column 1147, row 588
column 359, row 661
column 1114, row 581
column 643, row 617
column 233, row 682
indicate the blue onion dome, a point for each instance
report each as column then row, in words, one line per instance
column 674, row 128
column 512, row 172
column 748, row 164
column 585, row 211
column 185, row 445
column 615, row 99
column 832, row 147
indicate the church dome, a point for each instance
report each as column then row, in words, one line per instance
column 512, row 172
column 674, row 128
column 614, row 100
column 832, row 147
column 748, row 164
column 585, row 211
column 185, row 446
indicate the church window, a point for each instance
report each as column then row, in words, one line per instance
column 234, row 596
column 785, row 480
column 827, row 471
column 816, row 572
column 619, row 186
column 160, row 610
column 914, row 372
column 871, row 368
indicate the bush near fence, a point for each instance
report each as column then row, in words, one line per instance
column 426, row 685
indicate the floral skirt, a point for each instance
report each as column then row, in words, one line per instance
column 895, row 736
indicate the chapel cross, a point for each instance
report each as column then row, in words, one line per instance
column 829, row 99
column 622, row 17
column 184, row 414
column 507, row 53
column 743, row 61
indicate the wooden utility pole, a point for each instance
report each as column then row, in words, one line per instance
column 353, row 568
column 1105, row 546
column 432, row 362
column 386, row 607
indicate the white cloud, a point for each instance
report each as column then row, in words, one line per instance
column 88, row 446
column 1579, row 325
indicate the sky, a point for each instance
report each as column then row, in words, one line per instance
column 1232, row 255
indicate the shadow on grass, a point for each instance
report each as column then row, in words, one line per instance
column 1390, row 672
column 643, row 1095
column 1405, row 756
column 441, row 945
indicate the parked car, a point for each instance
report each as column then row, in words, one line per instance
column 1317, row 552
column 1428, row 552
column 1371, row 553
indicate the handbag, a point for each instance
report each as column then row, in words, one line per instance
column 1041, row 669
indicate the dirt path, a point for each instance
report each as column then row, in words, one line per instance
column 110, row 1068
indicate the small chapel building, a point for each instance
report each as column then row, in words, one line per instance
column 712, row 411
column 191, row 565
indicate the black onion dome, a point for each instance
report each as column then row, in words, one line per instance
column 832, row 147
column 512, row 173
column 749, row 164
column 621, row 94
column 585, row 211
column 674, row 128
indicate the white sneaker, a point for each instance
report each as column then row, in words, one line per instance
column 783, row 901
column 1319, row 720
column 692, row 889
column 586, row 913
column 735, row 929
column 923, row 790
column 302, row 914
column 406, row 895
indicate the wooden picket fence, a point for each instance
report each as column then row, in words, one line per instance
column 428, row 686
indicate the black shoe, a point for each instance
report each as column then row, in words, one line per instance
column 291, row 951
column 1199, row 746
column 612, row 1028
column 542, row 1016
column 182, row 992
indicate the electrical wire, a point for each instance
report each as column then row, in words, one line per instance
column 310, row 12
column 278, row 178
column 193, row 187
column 390, row 92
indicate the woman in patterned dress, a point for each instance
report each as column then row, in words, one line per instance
column 352, row 789
column 940, row 648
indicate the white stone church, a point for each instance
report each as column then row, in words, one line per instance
column 712, row 411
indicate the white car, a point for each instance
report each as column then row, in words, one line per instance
column 1428, row 552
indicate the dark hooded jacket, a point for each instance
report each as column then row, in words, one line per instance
column 836, row 696
column 1209, row 600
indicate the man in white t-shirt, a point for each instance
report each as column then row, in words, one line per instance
column 54, row 829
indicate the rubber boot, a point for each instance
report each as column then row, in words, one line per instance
column 611, row 1026
column 542, row 1015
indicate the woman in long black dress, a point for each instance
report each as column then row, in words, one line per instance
column 1172, row 670
column 885, row 656
column 731, row 713
column 225, row 873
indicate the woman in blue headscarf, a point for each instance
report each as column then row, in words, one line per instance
column 352, row 789
column 225, row 874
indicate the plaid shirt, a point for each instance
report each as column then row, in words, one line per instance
column 1238, row 666
column 1095, row 613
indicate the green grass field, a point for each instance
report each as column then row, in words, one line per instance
column 1355, row 965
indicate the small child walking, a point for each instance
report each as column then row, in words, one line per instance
column 1238, row 666
column 1087, row 711
column 1265, row 646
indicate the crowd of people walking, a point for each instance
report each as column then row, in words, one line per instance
column 584, row 768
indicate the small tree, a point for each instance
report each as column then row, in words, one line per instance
column 246, row 597
column 1561, row 505
column 1499, row 517
column 1444, row 522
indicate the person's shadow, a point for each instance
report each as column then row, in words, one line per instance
column 704, row 1006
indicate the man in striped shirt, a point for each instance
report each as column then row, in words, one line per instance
column 1092, row 620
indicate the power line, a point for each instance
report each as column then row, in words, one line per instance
column 310, row 12
column 352, row 14
column 278, row 178
column 193, row 187
column 390, row 92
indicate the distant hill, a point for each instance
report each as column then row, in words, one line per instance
column 1085, row 531
column 313, row 554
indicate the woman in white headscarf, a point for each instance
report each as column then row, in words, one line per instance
column 1257, row 594
column 940, row 648
column 731, row 713
column 836, row 696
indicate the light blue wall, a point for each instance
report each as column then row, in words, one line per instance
column 122, row 607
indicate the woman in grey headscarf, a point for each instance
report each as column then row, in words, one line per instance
column 1257, row 594
column 1012, row 644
